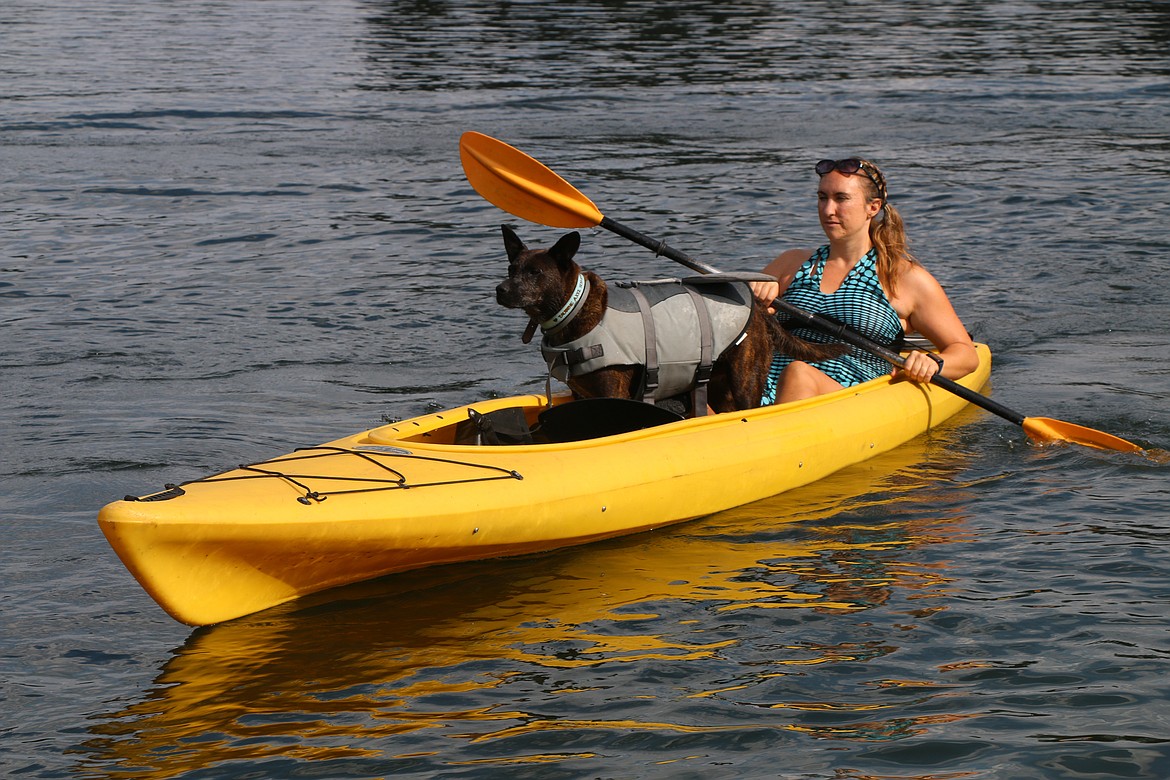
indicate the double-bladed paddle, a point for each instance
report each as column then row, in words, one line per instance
column 508, row 178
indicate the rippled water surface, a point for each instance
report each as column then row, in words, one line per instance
column 233, row 228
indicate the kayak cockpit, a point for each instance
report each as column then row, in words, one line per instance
column 519, row 421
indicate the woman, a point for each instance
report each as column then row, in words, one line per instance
column 865, row 278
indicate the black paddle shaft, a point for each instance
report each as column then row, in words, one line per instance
column 658, row 247
column 835, row 329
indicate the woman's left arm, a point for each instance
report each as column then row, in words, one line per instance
column 930, row 313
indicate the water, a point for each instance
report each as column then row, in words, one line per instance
column 234, row 228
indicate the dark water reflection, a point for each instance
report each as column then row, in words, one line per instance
column 619, row 45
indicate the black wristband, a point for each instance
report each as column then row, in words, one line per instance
column 936, row 359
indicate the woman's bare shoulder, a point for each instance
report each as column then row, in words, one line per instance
column 788, row 262
column 921, row 281
column 797, row 256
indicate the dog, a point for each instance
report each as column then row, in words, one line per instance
column 568, row 303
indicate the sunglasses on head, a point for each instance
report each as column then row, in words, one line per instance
column 851, row 165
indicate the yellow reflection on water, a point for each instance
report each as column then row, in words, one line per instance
column 427, row 663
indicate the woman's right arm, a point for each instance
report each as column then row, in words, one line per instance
column 784, row 268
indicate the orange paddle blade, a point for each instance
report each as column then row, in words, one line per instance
column 508, row 178
column 1047, row 429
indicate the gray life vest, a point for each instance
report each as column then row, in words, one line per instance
column 676, row 328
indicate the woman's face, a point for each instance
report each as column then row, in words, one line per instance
column 843, row 205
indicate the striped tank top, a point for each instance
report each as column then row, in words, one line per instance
column 860, row 302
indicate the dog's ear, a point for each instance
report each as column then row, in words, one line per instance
column 564, row 249
column 512, row 242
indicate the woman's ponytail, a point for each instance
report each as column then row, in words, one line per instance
column 889, row 238
column 886, row 231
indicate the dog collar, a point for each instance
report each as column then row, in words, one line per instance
column 571, row 307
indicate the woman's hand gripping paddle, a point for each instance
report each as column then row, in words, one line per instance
column 508, row 178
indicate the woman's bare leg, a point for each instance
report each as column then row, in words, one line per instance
column 801, row 380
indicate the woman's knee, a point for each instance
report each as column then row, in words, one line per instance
column 802, row 380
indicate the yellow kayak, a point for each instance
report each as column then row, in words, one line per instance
column 429, row 491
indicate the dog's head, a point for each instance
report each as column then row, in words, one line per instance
column 537, row 278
